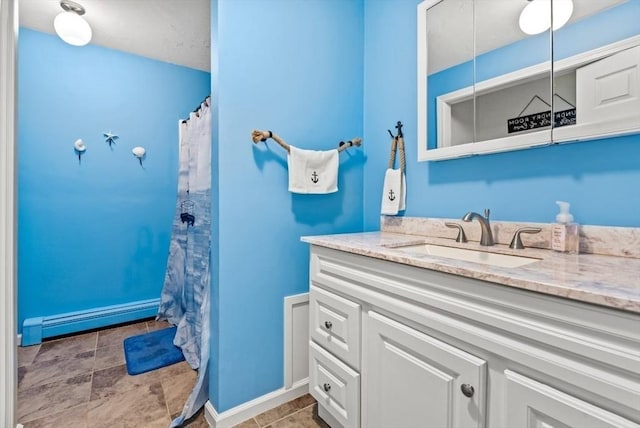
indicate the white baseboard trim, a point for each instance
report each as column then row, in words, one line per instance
column 248, row 410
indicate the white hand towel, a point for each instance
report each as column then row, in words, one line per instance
column 403, row 194
column 312, row 171
column 392, row 192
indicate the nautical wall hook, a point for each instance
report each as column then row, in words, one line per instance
column 398, row 126
column 110, row 138
column 140, row 153
column 79, row 148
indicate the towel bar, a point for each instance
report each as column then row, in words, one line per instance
column 260, row 136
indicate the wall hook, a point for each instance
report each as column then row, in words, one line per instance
column 79, row 149
column 399, row 128
column 140, row 153
column 110, row 138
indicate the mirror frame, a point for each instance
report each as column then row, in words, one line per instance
column 422, row 78
column 544, row 137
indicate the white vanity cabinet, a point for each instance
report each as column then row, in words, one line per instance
column 399, row 346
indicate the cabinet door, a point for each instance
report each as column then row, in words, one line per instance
column 609, row 89
column 531, row 404
column 410, row 379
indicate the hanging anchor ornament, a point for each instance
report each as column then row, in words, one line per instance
column 79, row 149
column 140, row 153
column 186, row 211
column 110, row 138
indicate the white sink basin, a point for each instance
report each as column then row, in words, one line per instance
column 484, row 257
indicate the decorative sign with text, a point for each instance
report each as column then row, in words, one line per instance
column 540, row 120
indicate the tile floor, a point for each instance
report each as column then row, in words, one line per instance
column 81, row 381
column 299, row 413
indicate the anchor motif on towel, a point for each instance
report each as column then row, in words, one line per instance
column 392, row 196
column 314, row 177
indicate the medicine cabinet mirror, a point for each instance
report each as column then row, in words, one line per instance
column 486, row 86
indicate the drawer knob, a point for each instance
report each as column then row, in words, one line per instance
column 328, row 325
column 467, row 390
column 326, row 387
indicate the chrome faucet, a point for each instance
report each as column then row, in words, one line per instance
column 486, row 238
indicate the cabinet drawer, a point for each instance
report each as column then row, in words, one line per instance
column 335, row 325
column 532, row 404
column 335, row 386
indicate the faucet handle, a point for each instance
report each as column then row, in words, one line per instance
column 461, row 236
column 516, row 242
column 487, row 211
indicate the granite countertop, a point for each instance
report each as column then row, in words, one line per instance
column 602, row 280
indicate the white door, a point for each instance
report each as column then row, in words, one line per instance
column 531, row 404
column 410, row 379
column 8, row 47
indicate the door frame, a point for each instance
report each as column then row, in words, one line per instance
column 8, row 262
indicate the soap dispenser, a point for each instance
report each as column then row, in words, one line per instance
column 564, row 233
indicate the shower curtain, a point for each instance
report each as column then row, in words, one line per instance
column 184, row 301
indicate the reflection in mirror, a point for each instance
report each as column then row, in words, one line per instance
column 450, row 47
column 597, row 71
column 504, row 92
column 477, row 81
column 510, row 107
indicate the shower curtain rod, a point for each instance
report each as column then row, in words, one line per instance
column 197, row 109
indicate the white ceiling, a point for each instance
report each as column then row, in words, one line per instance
column 178, row 31
column 174, row 31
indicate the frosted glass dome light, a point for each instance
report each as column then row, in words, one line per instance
column 535, row 18
column 70, row 25
column 562, row 10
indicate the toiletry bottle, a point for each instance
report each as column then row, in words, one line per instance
column 564, row 233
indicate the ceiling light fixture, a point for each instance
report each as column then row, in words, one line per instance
column 70, row 25
column 535, row 18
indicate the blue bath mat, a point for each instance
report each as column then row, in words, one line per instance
column 151, row 351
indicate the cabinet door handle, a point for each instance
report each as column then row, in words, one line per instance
column 328, row 325
column 467, row 390
column 326, row 387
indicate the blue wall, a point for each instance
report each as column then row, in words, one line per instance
column 599, row 178
column 97, row 233
column 294, row 67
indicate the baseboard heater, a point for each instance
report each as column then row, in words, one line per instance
column 37, row 328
